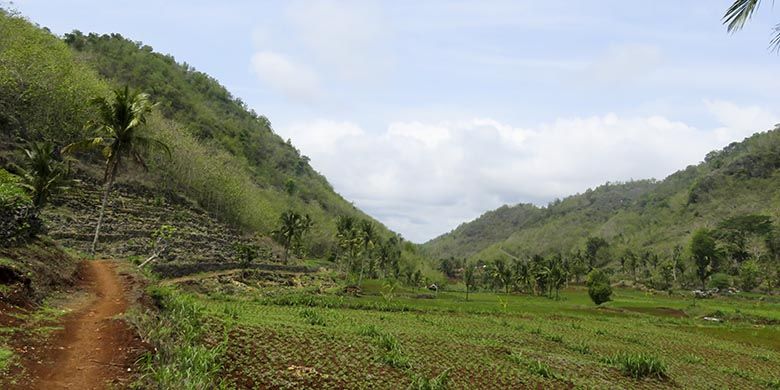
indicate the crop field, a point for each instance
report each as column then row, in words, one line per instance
column 286, row 337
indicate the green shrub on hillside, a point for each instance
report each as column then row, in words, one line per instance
column 599, row 289
column 720, row 281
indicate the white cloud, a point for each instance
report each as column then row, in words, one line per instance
column 281, row 73
column 624, row 63
column 423, row 179
column 347, row 36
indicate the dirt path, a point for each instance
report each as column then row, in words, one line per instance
column 92, row 351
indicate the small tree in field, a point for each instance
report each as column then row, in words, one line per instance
column 292, row 227
column 704, row 253
column 469, row 279
column 599, row 289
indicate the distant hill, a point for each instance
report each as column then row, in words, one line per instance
column 226, row 157
column 742, row 178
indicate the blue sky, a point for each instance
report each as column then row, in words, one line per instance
column 426, row 114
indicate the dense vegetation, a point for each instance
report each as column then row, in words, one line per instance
column 642, row 230
column 224, row 156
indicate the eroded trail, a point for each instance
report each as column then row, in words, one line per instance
column 91, row 351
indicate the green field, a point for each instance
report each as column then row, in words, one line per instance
column 287, row 337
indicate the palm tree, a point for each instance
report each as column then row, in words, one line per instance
column 292, row 227
column 740, row 12
column 42, row 174
column 119, row 128
column 367, row 237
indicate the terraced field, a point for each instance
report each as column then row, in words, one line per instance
column 283, row 337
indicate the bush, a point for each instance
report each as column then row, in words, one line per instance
column 599, row 289
column 720, row 281
column 748, row 275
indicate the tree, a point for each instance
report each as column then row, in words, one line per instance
column 740, row 12
column 736, row 232
column 469, row 279
column 292, row 227
column 246, row 254
column 42, row 174
column 748, row 275
column 502, row 274
column 704, row 253
column 368, row 236
column 119, row 129
column 599, row 289
column 594, row 251
column 557, row 275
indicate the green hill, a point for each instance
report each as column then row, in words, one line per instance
column 226, row 158
column 742, row 178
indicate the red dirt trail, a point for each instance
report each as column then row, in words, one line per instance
column 94, row 349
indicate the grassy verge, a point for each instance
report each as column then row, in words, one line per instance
column 176, row 330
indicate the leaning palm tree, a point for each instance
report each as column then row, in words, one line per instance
column 119, row 136
column 42, row 174
column 740, row 12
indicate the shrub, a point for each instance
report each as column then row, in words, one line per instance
column 599, row 288
column 748, row 275
column 720, row 281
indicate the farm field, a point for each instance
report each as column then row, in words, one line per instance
column 295, row 337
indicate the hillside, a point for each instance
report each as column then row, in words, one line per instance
column 226, row 158
column 742, row 178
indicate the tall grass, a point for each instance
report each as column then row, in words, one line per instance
column 181, row 359
column 639, row 365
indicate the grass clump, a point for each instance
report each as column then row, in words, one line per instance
column 390, row 349
column 639, row 365
column 439, row 382
column 182, row 359
column 5, row 358
column 312, row 317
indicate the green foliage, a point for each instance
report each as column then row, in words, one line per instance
column 720, row 281
column 705, row 253
column 181, row 360
column 42, row 88
column 439, row 382
column 639, row 365
column 292, row 227
column 748, row 275
column 312, row 317
column 12, row 191
column 5, row 358
column 599, row 288
column 42, row 174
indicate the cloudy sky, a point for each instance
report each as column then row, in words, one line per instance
column 427, row 114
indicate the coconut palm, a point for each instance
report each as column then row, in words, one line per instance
column 368, row 238
column 292, row 227
column 42, row 174
column 120, row 136
column 740, row 12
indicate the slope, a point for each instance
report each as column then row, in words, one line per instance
column 742, row 178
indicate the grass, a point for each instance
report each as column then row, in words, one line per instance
column 279, row 340
column 5, row 358
column 184, row 357
column 639, row 365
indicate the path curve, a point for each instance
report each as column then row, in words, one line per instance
column 92, row 343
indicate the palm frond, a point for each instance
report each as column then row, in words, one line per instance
column 87, row 144
column 739, row 13
column 145, row 144
column 774, row 44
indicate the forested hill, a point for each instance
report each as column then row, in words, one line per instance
column 226, row 157
column 741, row 179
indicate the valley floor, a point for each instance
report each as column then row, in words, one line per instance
column 284, row 337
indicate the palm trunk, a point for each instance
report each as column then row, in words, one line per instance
column 110, row 170
column 360, row 278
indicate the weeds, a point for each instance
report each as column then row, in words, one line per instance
column 580, row 347
column 639, row 365
column 312, row 317
column 181, row 359
column 439, row 382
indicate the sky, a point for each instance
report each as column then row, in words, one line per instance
column 427, row 114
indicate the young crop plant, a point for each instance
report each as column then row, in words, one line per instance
column 439, row 382
column 312, row 317
column 639, row 365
